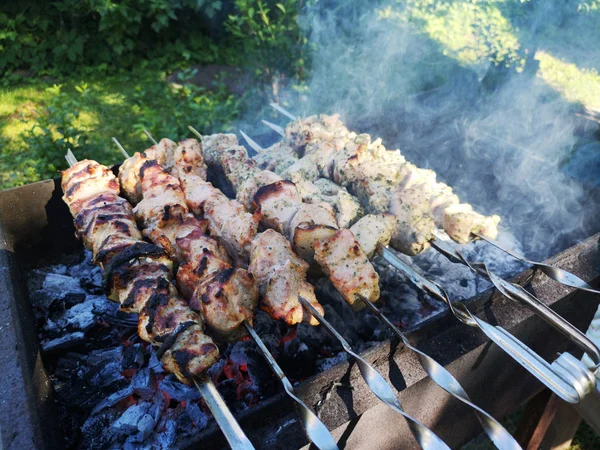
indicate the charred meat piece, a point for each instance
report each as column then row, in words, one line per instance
column 348, row 268
column 163, row 199
column 246, row 192
column 129, row 172
column 281, row 277
column 226, row 299
column 278, row 203
column 312, row 223
column 190, row 355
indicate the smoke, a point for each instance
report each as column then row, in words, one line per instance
column 498, row 135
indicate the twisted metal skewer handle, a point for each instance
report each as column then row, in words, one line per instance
column 315, row 429
column 227, row 423
column 444, row 379
column 518, row 293
column 535, row 364
column 560, row 275
column 426, row 438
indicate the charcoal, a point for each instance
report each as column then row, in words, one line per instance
column 166, row 439
column 113, row 399
column 133, row 357
column 143, row 383
column 199, row 418
column 96, row 431
column 57, row 286
column 177, row 390
column 154, row 364
column 63, row 343
column 84, row 315
column 129, row 422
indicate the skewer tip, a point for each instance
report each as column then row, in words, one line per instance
column 121, row 149
column 150, row 137
column 251, row 142
column 196, row 133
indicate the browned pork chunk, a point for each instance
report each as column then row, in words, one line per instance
column 226, row 299
column 281, row 277
column 348, row 268
column 277, row 203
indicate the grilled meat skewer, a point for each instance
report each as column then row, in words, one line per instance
column 304, row 224
column 383, row 180
column 137, row 274
column 229, row 222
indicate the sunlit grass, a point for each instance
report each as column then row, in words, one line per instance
column 576, row 85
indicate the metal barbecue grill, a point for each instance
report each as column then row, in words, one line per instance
column 39, row 231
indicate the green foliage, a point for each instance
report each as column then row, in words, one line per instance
column 84, row 116
column 268, row 31
column 61, row 35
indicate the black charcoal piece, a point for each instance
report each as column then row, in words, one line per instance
column 144, row 384
column 177, row 390
column 199, row 418
column 133, row 356
column 113, row 399
column 166, row 439
column 64, row 342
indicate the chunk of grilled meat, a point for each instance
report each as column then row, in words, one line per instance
column 278, row 203
column 129, row 172
column 85, row 181
column 281, row 276
column 199, row 192
column 246, row 192
column 373, row 230
column 348, row 268
column 163, row 199
column 233, row 226
column 226, row 299
column 215, row 144
column 310, row 224
column 188, row 159
column 191, row 354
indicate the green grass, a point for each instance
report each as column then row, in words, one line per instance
column 40, row 119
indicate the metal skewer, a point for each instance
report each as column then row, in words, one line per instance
column 560, row 275
column 282, row 111
column 549, row 374
column 518, row 293
column 316, row 431
column 276, row 128
column 377, row 384
column 231, row 429
column 557, row 274
column 121, row 149
column 150, row 137
column 444, row 379
column 497, row 433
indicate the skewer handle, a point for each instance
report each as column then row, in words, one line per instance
column 444, row 379
column 426, row 438
column 555, row 380
column 557, row 274
column 231, row 429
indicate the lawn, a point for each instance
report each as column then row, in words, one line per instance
column 41, row 118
